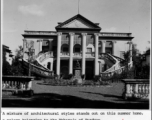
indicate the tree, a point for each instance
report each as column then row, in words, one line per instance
column 139, row 70
column 16, row 68
column 6, row 67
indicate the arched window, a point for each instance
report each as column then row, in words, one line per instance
column 77, row 48
column 65, row 48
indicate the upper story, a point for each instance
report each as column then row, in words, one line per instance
column 77, row 27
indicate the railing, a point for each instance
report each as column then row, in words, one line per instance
column 17, row 82
column 40, row 33
column 111, row 73
column 136, row 88
column 64, row 54
column 118, row 58
column 77, row 54
column 107, row 56
column 41, row 71
column 115, row 34
column 44, row 56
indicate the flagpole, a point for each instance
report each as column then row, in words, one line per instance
column 78, row 6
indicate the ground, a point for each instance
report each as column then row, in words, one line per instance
column 100, row 97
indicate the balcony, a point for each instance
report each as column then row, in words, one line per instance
column 64, row 54
column 77, row 55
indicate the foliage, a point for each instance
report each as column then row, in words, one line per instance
column 19, row 53
column 139, row 71
column 16, row 67
column 6, row 67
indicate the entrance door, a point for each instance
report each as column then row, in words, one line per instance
column 64, row 71
column 89, row 70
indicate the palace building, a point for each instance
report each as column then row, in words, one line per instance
column 76, row 41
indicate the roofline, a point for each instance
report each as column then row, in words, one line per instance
column 78, row 15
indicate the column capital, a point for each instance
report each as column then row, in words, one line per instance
column 59, row 33
column 83, row 34
column 96, row 34
column 71, row 33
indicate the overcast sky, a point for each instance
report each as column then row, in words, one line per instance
column 43, row 15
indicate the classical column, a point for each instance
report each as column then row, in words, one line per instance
column 96, row 54
column 50, row 44
column 51, row 66
column 58, row 53
column 71, row 53
column 83, row 52
column 113, row 47
column 40, row 45
column 103, row 46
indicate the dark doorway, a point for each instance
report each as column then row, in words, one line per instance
column 89, row 70
column 64, row 69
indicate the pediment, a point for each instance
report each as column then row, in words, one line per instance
column 77, row 24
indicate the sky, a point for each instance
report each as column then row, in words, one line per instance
column 43, row 15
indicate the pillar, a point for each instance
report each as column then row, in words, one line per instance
column 113, row 47
column 71, row 53
column 96, row 54
column 40, row 45
column 29, row 85
column 103, row 46
column 83, row 52
column 50, row 45
column 58, row 53
column 51, row 65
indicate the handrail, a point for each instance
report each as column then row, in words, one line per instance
column 38, row 70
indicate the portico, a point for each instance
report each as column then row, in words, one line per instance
column 82, row 53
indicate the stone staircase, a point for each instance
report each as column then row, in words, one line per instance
column 118, row 65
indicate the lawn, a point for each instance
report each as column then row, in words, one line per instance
column 101, row 97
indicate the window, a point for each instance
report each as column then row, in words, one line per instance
column 89, row 50
column 77, row 49
column 65, row 49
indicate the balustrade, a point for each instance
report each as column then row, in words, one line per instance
column 44, row 56
column 40, row 32
column 116, row 34
column 17, row 82
column 64, row 54
column 136, row 88
column 77, row 54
